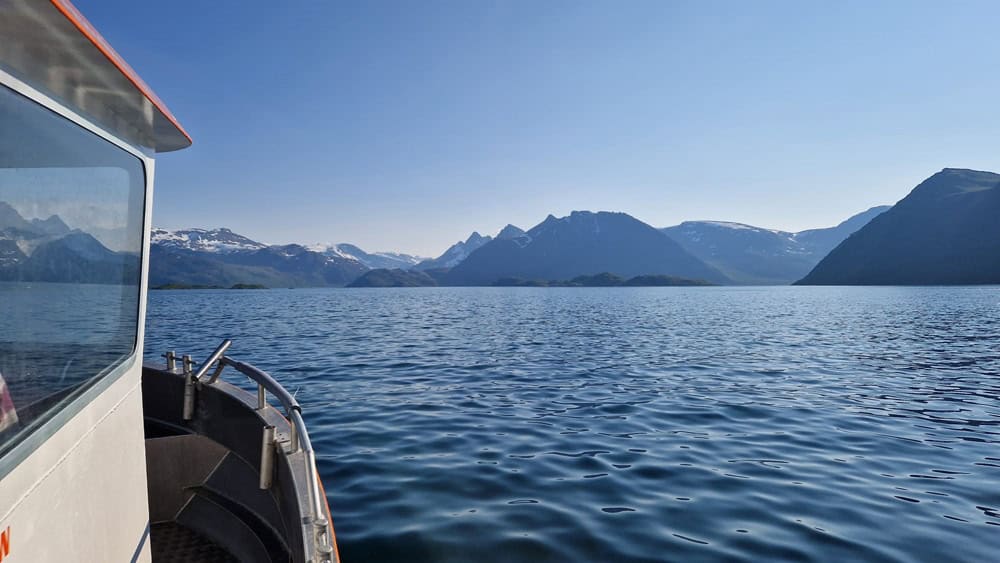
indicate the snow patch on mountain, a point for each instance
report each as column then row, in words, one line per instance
column 331, row 250
column 223, row 241
column 373, row 260
column 737, row 226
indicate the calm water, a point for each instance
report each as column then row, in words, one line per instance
column 634, row 424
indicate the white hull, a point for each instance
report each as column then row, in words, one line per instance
column 81, row 496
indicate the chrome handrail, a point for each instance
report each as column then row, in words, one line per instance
column 263, row 379
column 299, row 439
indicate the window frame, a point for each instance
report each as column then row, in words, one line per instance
column 101, row 381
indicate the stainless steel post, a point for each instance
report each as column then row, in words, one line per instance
column 293, row 437
column 267, row 458
column 188, row 397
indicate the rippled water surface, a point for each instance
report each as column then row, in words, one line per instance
column 634, row 424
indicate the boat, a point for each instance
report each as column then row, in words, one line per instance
column 103, row 457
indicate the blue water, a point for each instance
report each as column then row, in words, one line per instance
column 634, row 424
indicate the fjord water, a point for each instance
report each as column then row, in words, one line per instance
column 634, row 424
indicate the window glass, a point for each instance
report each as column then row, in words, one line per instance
column 71, row 220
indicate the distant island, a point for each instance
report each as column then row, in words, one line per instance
column 396, row 277
column 606, row 279
column 403, row 278
column 190, row 286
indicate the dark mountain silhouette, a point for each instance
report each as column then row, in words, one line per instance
column 944, row 232
column 754, row 255
column 584, row 243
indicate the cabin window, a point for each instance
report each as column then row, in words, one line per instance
column 71, row 225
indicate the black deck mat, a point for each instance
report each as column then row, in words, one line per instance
column 171, row 542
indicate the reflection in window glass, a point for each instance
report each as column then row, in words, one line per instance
column 71, row 220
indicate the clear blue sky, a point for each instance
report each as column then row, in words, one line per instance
column 407, row 125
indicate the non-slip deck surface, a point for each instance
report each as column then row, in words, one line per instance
column 173, row 543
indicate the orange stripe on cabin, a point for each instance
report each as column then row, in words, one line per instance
column 87, row 29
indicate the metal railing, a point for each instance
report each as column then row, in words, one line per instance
column 298, row 440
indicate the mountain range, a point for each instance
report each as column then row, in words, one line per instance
column 47, row 250
column 220, row 257
column 556, row 250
